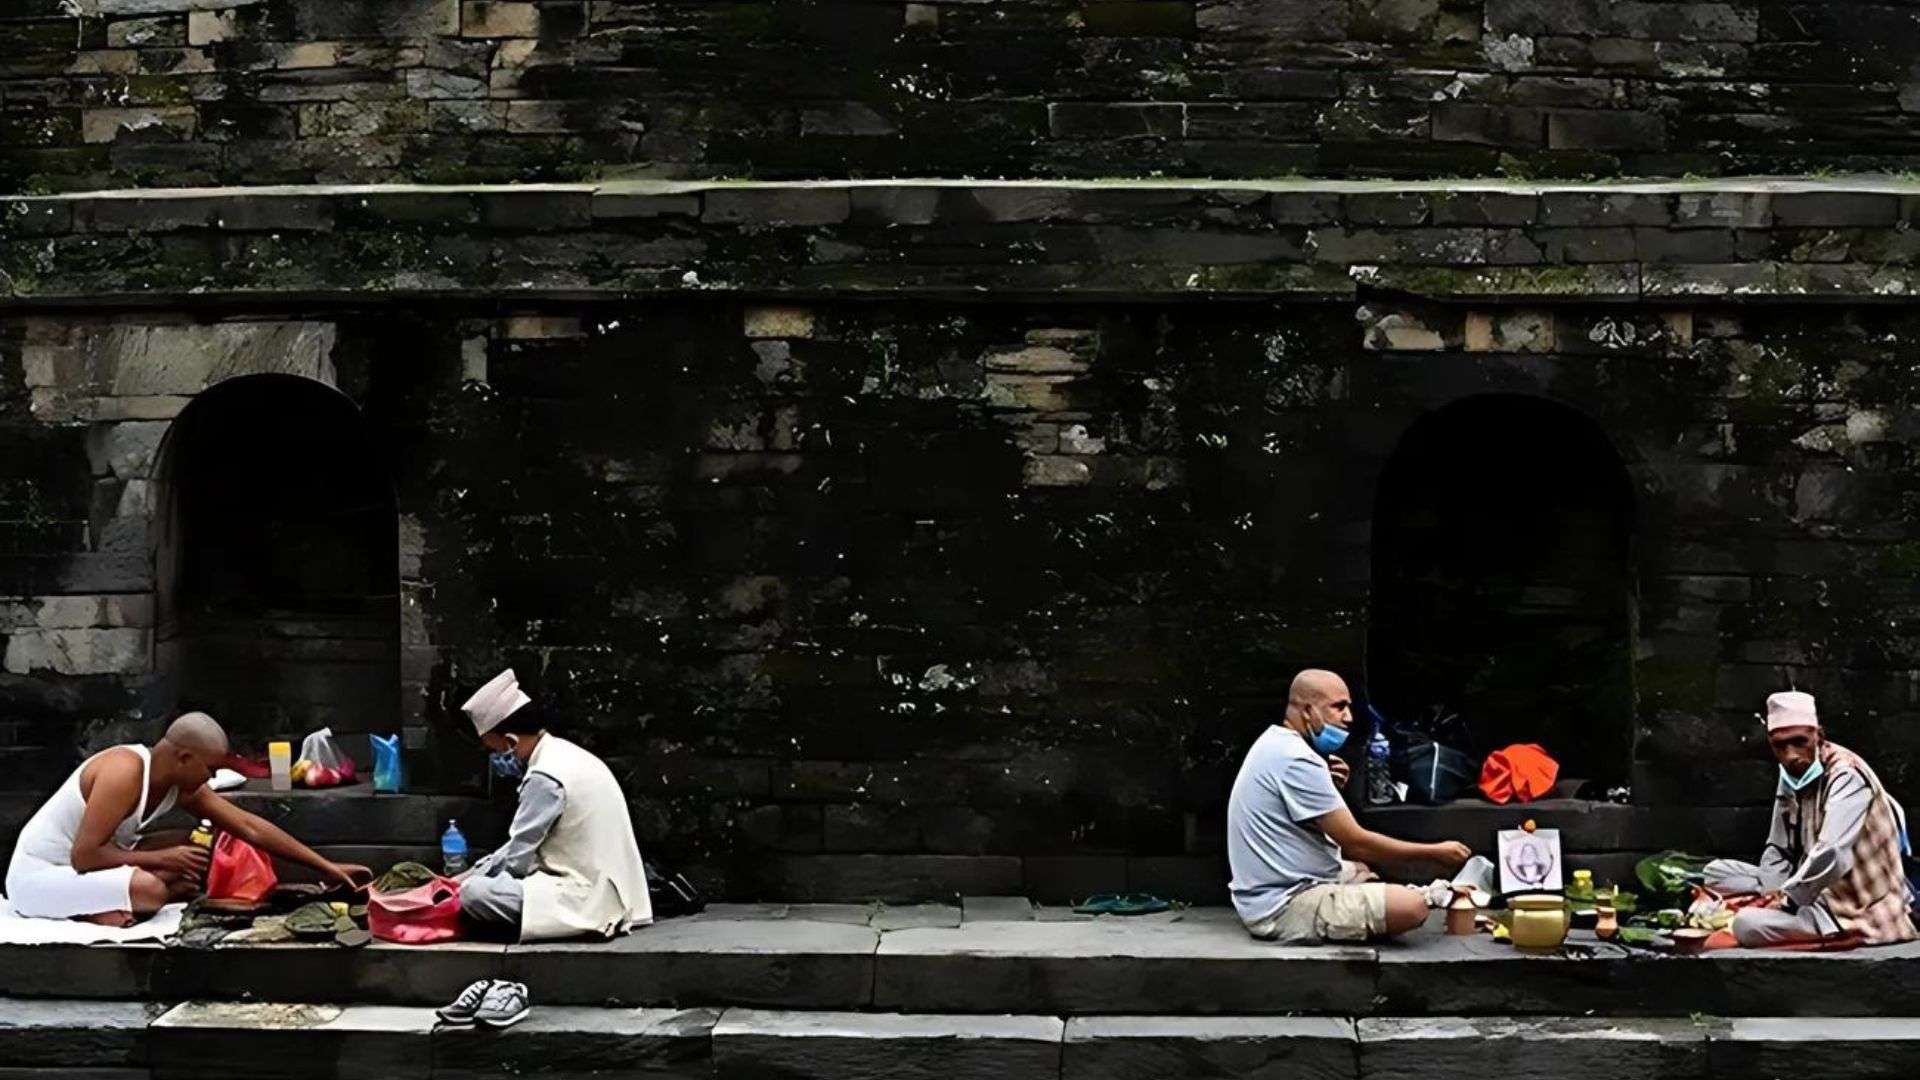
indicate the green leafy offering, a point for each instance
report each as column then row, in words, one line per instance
column 1671, row 873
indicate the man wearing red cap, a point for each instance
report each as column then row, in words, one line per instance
column 1832, row 861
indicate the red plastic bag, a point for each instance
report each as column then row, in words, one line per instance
column 239, row 871
column 1521, row 773
column 418, row 916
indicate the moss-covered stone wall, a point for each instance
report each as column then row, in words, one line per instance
column 110, row 93
column 993, row 593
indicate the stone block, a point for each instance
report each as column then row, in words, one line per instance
column 1719, row 279
column 1866, row 1048
column 112, row 651
column 1405, row 331
column 1243, row 1047
column 564, row 1042
column 1274, row 20
column 129, row 362
column 125, row 450
column 1795, row 209
column 1116, row 120
column 1492, row 125
column 76, row 612
column 1527, row 331
column 1387, row 208
column 537, row 209
column 630, row 206
column 798, row 204
column 902, row 204
column 541, row 327
column 1610, row 130
column 1103, row 966
column 752, row 1045
column 1055, row 471
column 73, row 1034
column 1412, row 1049
column 777, row 322
column 499, row 19
column 1589, row 209
column 1723, row 209
column 975, row 909
column 347, row 1042
column 167, row 123
column 1138, row 18
column 207, row 27
column 1305, row 208
column 155, row 32
column 685, row 962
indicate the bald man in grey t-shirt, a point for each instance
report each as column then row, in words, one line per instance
column 1288, row 829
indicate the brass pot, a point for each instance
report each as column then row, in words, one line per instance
column 1539, row 922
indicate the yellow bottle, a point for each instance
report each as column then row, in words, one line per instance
column 202, row 835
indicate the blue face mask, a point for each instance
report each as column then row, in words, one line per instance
column 1329, row 739
column 1813, row 773
column 506, row 763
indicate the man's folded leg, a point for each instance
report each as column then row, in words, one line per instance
column 1353, row 912
column 493, row 902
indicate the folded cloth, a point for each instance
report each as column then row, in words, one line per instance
column 226, row 780
column 19, row 930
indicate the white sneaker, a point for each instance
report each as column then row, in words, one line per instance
column 505, row 1005
column 463, row 1008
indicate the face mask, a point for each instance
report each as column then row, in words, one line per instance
column 1329, row 739
column 506, row 763
column 1797, row 783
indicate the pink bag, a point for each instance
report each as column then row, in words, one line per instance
column 418, row 916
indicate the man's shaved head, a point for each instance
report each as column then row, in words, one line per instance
column 199, row 734
column 1315, row 686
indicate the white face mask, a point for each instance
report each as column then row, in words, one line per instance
column 1798, row 783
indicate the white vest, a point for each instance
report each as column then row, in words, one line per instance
column 589, row 880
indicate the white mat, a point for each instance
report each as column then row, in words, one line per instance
column 16, row 930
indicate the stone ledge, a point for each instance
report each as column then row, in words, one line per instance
column 207, row 1038
column 1194, row 963
column 1740, row 238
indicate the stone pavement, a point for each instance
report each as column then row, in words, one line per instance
column 992, row 987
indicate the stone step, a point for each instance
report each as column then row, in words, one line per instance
column 295, row 1041
column 822, row 957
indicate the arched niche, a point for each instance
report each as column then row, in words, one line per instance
column 276, row 567
column 1503, row 586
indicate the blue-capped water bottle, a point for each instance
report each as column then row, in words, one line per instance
column 453, row 850
column 1380, row 789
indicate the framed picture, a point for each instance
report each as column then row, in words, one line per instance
column 1530, row 861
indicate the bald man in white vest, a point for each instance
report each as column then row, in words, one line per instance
column 81, row 856
column 570, row 866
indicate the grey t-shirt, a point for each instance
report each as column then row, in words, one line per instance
column 1272, row 845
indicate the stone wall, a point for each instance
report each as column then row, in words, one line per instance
column 107, row 93
column 999, row 591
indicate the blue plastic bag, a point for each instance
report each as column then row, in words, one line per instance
column 386, row 763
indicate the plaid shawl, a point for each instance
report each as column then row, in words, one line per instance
column 1871, row 900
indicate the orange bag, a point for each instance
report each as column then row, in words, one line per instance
column 1521, row 773
column 239, row 871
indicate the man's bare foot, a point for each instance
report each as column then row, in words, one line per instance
column 119, row 920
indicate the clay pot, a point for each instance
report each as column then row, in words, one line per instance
column 1606, row 923
column 1460, row 911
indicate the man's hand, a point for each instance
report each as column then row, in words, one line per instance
column 1340, row 770
column 183, row 863
column 352, row 875
column 1451, row 853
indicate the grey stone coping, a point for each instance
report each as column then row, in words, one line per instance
column 210, row 1038
column 1193, row 963
column 1731, row 239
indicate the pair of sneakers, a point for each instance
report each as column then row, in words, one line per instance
column 494, row 1003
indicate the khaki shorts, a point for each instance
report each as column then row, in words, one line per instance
column 1327, row 913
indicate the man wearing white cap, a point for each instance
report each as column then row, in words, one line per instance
column 571, row 865
column 1832, row 861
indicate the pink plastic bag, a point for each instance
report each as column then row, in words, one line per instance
column 418, row 916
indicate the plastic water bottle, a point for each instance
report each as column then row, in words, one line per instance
column 1380, row 791
column 453, row 850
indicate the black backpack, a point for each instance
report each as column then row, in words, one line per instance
column 672, row 894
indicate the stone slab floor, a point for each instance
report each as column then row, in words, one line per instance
column 990, row 987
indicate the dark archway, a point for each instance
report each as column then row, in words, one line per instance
column 277, row 563
column 1502, row 580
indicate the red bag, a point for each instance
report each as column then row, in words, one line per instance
column 239, row 872
column 1521, row 773
column 418, row 916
